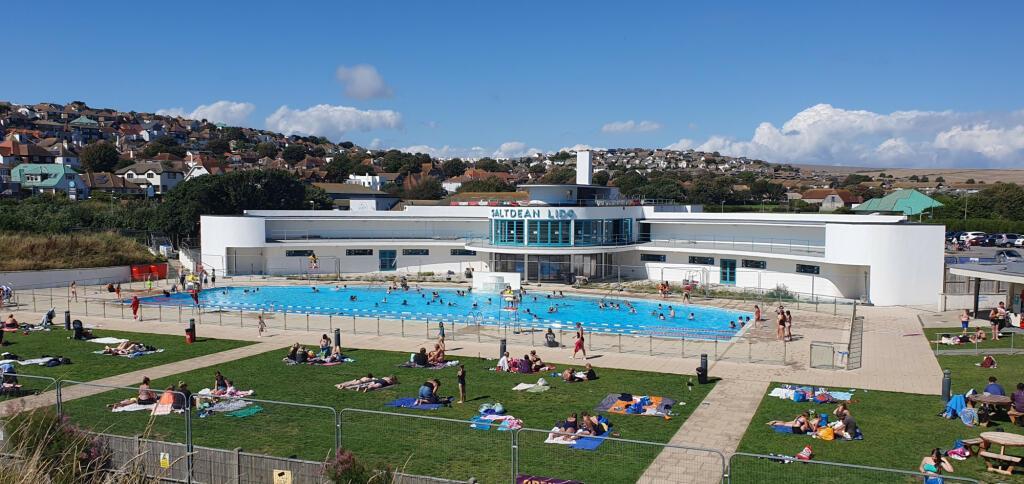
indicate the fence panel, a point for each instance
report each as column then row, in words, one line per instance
column 17, row 385
column 260, row 469
column 753, row 468
column 165, row 461
column 614, row 460
column 429, row 446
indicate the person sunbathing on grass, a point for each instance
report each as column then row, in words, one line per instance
column 124, row 348
column 428, row 392
column 569, row 376
column 355, row 383
column 935, row 464
column 11, row 322
column 566, row 428
column 535, row 362
column 380, row 383
column 592, row 425
column 145, row 397
column 436, row 357
column 800, row 425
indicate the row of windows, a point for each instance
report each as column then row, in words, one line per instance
column 358, row 252
column 562, row 232
column 747, row 263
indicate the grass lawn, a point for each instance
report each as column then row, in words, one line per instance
column 422, row 446
column 86, row 366
column 899, row 428
column 1007, row 341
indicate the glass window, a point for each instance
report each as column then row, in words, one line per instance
column 549, row 232
column 415, row 251
column 463, row 252
column 806, row 269
column 754, row 264
column 707, row 261
column 508, row 232
column 358, row 251
column 652, row 257
column 298, row 253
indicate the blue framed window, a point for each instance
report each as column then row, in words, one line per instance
column 508, row 232
column 754, row 264
column 705, row 261
column 652, row 257
column 358, row 252
column 415, row 251
column 550, row 232
column 463, row 252
column 298, row 253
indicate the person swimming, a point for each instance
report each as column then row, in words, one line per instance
column 691, row 317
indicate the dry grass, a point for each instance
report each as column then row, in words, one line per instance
column 27, row 252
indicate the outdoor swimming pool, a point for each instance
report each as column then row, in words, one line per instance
column 485, row 308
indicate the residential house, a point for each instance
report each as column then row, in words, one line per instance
column 84, row 131
column 50, row 178
column 373, row 182
column 830, row 199
column 111, row 183
column 160, row 175
column 348, row 196
column 25, row 152
column 906, row 202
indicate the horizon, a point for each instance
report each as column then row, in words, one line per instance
column 785, row 84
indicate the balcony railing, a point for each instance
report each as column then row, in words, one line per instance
column 746, row 244
column 286, row 235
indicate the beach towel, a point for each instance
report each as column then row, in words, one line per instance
column 639, row 405
column 540, row 386
column 36, row 361
column 163, row 406
column 107, row 341
column 411, row 404
column 133, row 408
column 437, row 366
column 589, row 443
column 783, row 429
column 555, row 438
column 245, row 412
column 955, row 405
column 131, row 355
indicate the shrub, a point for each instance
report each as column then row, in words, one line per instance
column 54, row 450
column 25, row 252
column 344, row 468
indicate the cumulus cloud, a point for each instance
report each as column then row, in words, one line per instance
column 514, row 149
column 580, row 147
column 227, row 112
column 330, row 121
column 681, row 145
column 825, row 134
column 447, row 151
column 630, row 127
column 363, row 82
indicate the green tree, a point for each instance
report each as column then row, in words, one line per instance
column 453, row 167
column 233, row 134
column 537, row 169
column 395, row 161
column 767, row 191
column 561, row 156
column 940, row 179
column 854, row 179
column 339, row 168
column 318, row 151
column 267, row 150
column 294, row 153
column 99, row 156
column 924, row 179
column 163, row 144
column 491, row 184
column 913, row 178
column 970, row 180
column 629, row 183
column 559, row 176
column 428, row 189
column 218, row 146
column 489, row 164
column 664, row 188
column 600, row 178
column 710, row 189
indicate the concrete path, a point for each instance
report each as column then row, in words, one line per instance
column 10, row 407
column 733, row 401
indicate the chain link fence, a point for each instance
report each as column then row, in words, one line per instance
column 755, row 469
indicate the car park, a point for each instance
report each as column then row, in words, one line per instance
column 1008, row 255
column 1005, row 240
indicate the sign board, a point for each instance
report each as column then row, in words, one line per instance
column 165, row 460
column 534, row 213
column 282, row 477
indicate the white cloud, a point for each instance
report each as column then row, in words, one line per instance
column 363, row 82
column 630, row 127
column 447, row 151
column 227, row 112
column 830, row 135
column 330, row 121
column 681, row 145
column 514, row 149
column 375, row 144
column 581, row 147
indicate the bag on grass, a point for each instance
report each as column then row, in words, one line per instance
column 826, row 433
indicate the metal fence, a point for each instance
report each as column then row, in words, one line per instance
column 753, row 468
column 1007, row 343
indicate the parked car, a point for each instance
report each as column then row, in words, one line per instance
column 990, row 240
column 969, row 236
column 953, row 236
column 1009, row 255
column 1005, row 240
column 1019, row 242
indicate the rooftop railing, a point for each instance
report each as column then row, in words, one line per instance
column 749, row 244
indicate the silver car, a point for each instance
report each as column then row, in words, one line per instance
column 1008, row 255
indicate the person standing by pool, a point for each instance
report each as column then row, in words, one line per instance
column 578, row 345
column 135, row 308
column 757, row 316
column 789, row 326
column 117, row 291
column 780, row 331
column 461, row 375
column 261, row 325
column 965, row 321
column 74, row 290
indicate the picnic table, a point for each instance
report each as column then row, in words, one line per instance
column 1002, row 462
column 990, row 400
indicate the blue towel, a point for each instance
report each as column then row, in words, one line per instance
column 479, row 423
column 589, row 443
column 782, row 429
column 955, row 406
column 411, row 403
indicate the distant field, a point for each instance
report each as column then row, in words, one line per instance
column 951, row 175
column 33, row 252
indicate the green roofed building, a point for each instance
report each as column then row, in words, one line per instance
column 907, row 202
column 50, row 178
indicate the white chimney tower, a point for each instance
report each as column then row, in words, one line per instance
column 584, row 169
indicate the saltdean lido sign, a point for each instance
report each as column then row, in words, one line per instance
column 534, row 213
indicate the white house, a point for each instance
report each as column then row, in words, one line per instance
column 161, row 176
column 373, row 182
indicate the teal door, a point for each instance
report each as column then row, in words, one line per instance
column 388, row 259
column 728, row 271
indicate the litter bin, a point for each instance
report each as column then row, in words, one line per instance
column 190, row 336
column 702, row 370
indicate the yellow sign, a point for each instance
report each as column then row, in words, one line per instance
column 165, row 460
column 282, row 477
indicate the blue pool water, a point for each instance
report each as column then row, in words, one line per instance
column 490, row 308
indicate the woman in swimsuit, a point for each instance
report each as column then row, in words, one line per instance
column 578, row 345
column 781, row 331
column 935, row 464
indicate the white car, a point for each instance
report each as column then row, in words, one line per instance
column 1008, row 255
column 1019, row 242
column 967, row 236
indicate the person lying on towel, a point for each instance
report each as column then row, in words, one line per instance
column 124, row 348
column 800, row 425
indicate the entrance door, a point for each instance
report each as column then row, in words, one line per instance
column 728, row 271
column 388, row 259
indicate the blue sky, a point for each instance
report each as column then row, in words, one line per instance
column 861, row 83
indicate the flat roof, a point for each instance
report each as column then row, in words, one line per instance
column 991, row 272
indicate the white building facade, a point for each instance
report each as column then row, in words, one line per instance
column 568, row 232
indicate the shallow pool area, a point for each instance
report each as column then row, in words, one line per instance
column 611, row 313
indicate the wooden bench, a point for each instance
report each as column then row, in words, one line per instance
column 1013, row 414
column 974, row 445
column 1000, row 463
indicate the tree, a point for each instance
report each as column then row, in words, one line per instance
column 940, row 179
column 854, row 179
column 664, row 188
column 99, row 156
column 163, row 144
column 428, row 189
column 294, row 154
column 710, row 189
column 537, row 169
column 559, row 176
column 229, row 194
column 453, row 167
column 629, row 183
column 767, row 191
column 339, row 168
column 600, row 178
column 218, row 146
column 233, row 134
column 395, row 161
column 924, row 179
column 318, row 151
column 491, row 184
column 346, row 145
column 267, row 150
column 489, row 164
column 561, row 156
column 913, row 178
column 970, row 180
